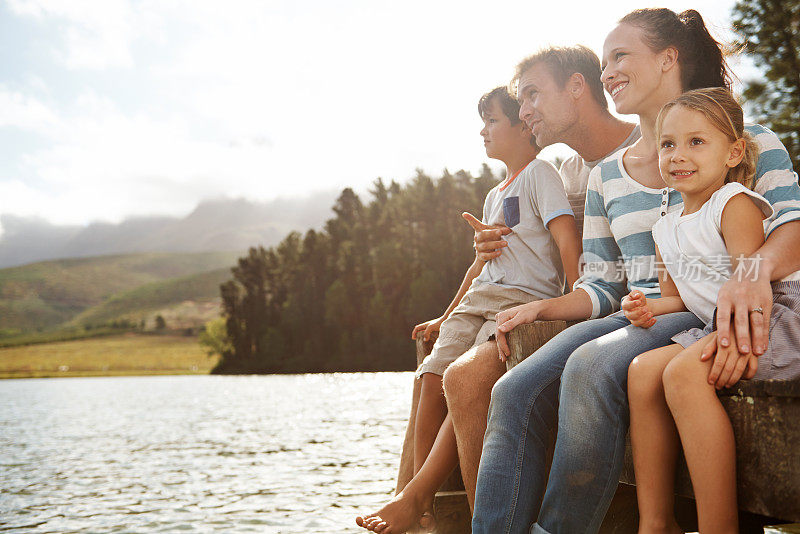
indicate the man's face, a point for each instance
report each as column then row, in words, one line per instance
column 547, row 109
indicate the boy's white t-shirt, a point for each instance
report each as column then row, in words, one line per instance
column 531, row 261
column 694, row 253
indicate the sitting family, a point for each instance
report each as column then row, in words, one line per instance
column 689, row 227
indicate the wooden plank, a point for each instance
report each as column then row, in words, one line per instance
column 526, row 339
column 451, row 512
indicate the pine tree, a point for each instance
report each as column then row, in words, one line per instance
column 770, row 33
column 346, row 298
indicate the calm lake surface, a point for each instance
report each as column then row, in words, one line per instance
column 282, row 454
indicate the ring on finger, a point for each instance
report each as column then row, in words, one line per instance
column 757, row 309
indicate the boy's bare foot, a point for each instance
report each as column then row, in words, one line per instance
column 403, row 513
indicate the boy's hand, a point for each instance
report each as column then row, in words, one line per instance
column 488, row 238
column 506, row 321
column 634, row 305
column 427, row 328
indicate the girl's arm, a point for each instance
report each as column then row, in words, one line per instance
column 742, row 229
column 780, row 256
column 641, row 311
column 670, row 300
column 743, row 232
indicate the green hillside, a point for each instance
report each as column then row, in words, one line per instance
column 42, row 296
column 137, row 303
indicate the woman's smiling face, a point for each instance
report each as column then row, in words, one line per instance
column 631, row 70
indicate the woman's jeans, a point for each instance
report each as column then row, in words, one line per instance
column 590, row 362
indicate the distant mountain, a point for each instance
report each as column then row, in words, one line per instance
column 215, row 225
column 43, row 296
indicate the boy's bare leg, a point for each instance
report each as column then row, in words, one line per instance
column 405, row 511
column 655, row 441
column 406, row 469
column 431, row 412
column 707, row 438
column 468, row 387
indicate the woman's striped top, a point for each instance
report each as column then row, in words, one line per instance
column 618, row 247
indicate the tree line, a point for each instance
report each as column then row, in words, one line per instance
column 346, row 298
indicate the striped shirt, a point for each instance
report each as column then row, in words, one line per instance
column 618, row 247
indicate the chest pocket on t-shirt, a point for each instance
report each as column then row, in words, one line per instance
column 511, row 211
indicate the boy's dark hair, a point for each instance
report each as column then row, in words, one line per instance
column 508, row 103
column 563, row 62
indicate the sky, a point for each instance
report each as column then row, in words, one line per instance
column 118, row 108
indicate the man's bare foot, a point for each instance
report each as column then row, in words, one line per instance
column 402, row 514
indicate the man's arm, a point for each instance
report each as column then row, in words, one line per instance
column 570, row 307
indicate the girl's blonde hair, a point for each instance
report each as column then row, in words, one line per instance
column 723, row 111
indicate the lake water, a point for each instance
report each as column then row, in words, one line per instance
column 275, row 454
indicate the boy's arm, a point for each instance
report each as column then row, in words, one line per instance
column 433, row 325
column 565, row 234
column 471, row 274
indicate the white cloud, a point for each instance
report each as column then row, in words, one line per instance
column 94, row 34
column 261, row 99
column 24, row 112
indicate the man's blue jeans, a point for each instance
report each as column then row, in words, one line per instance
column 590, row 362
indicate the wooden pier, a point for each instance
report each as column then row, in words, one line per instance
column 766, row 423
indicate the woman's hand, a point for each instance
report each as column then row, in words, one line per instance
column 744, row 307
column 427, row 328
column 636, row 310
column 506, row 321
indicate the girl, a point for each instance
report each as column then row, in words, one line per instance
column 705, row 154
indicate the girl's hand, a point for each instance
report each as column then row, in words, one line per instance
column 427, row 328
column 634, row 305
column 730, row 365
column 506, row 321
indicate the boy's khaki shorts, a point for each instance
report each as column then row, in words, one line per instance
column 471, row 323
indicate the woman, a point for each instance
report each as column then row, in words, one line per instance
column 651, row 57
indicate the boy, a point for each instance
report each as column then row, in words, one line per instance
column 542, row 250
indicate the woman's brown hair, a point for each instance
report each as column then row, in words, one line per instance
column 700, row 56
